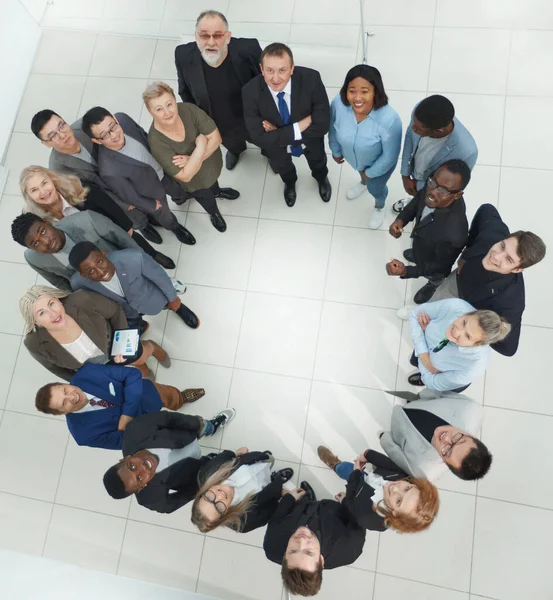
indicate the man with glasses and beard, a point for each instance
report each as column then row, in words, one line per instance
column 211, row 73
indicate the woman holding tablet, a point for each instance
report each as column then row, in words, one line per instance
column 65, row 330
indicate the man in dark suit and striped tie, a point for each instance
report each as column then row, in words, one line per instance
column 287, row 114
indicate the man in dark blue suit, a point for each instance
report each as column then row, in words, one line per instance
column 101, row 400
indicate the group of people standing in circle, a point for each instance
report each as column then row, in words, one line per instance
column 88, row 224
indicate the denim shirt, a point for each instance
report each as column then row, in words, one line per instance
column 460, row 145
column 458, row 365
column 373, row 145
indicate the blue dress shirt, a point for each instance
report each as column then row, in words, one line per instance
column 458, row 365
column 373, row 145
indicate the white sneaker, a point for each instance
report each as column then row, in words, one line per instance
column 222, row 419
column 377, row 218
column 355, row 190
column 403, row 313
column 398, row 206
column 179, row 286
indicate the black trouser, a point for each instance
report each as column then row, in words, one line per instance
column 144, row 244
column 415, row 362
column 281, row 160
column 234, row 144
column 206, row 198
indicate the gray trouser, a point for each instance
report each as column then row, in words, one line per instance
column 138, row 218
column 447, row 289
column 163, row 216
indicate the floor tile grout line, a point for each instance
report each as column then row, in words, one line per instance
column 431, row 48
column 504, row 119
column 121, row 547
column 13, row 373
column 200, row 565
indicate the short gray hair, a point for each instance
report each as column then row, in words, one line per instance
column 212, row 14
column 27, row 303
column 155, row 90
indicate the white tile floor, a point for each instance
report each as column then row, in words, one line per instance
column 298, row 318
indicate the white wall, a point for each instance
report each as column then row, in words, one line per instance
column 19, row 37
column 25, row 577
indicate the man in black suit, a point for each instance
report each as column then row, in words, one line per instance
column 162, row 457
column 489, row 273
column 306, row 536
column 440, row 231
column 126, row 164
column 212, row 71
column 287, row 114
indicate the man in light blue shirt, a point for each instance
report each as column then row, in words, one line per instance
column 451, row 342
column 434, row 136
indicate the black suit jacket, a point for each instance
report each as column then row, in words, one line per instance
column 340, row 536
column 359, row 493
column 504, row 295
column 178, row 484
column 133, row 181
column 438, row 238
column 308, row 98
column 266, row 501
column 244, row 53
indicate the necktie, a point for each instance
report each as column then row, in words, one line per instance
column 103, row 403
column 297, row 150
column 441, row 345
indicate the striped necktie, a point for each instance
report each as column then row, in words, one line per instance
column 296, row 148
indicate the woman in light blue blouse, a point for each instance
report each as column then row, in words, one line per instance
column 451, row 342
column 366, row 132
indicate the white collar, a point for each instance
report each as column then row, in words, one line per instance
column 286, row 90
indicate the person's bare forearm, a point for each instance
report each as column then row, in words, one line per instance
column 192, row 167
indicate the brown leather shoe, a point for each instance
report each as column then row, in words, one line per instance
column 329, row 459
column 191, row 395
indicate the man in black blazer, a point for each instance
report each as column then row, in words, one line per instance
column 212, row 71
column 306, row 536
column 162, row 458
column 440, row 231
column 287, row 114
column 489, row 273
column 126, row 164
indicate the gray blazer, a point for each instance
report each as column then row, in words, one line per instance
column 133, row 181
column 146, row 285
column 85, row 226
column 411, row 451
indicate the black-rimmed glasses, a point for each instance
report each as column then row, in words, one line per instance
column 440, row 189
column 455, row 439
column 220, row 507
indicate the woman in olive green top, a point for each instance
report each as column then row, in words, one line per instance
column 186, row 143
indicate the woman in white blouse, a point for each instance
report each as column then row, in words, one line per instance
column 238, row 490
column 65, row 330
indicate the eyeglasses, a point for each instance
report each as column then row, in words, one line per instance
column 446, row 450
column 205, row 37
column 440, row 190
column 108, row 132
column 220, row 507
column 61, row 128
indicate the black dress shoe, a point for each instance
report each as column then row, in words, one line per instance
column 184, row 236
column 231, row 160
column 415, row 379
column 408, row 255
column 325, row 189
column 425, row 293
column 163, row 260
column 218, row 222
column 188, row 316
column 309, row 491
column 290, row 194
column 151, row 234
column 228, row 194
column 143, row 327
column 284, row 475
column 181, row 200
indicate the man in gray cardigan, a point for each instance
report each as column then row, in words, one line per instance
column 74, row 153
column 48, row 245
column 126, row 164
column 129, row 277
column 426, row 436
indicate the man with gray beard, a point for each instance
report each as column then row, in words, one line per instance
column 212, row 71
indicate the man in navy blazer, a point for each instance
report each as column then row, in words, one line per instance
column 133, row 279
column 101, row 400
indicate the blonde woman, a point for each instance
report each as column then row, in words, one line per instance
column 383, row 496
column 186, row 142
column 238, row 490
column 53, row 196
column 65, row 330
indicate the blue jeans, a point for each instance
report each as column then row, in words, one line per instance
column 344, row 470
column 208, row 428
column 378, row 189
